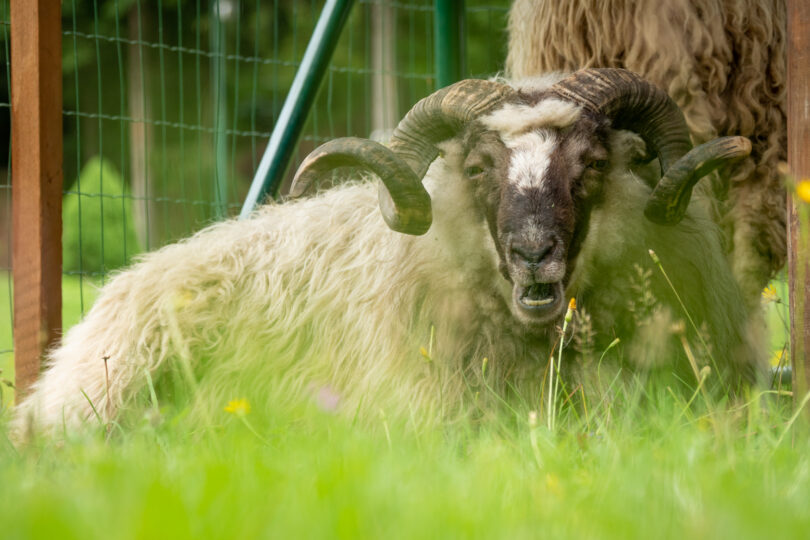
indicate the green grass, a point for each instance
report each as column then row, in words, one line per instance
column 644, row 466
column 776, row 318
column 651, row 472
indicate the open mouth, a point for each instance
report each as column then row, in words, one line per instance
column 539, row 301
column 539, row 294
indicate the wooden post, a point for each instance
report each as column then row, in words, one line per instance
column 798, row 125
column 36, row 167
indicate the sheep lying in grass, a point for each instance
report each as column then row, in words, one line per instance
column 539, row 196
column 724, row 65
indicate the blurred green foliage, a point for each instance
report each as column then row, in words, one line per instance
column 193, row 88
column 98, row 233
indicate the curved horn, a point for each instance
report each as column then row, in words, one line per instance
column 638, row 105
column 412, row 214
column 670, row 198
column 633, row 103
column 404, row 202
column 440, row 116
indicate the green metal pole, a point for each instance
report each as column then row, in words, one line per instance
column 218, row 74
column 450, row 40
column 299, row 101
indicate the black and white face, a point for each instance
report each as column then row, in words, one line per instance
column 537, row 187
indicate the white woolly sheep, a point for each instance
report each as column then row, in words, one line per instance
column 539, row 196
column 722, row 62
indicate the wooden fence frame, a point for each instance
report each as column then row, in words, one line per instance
column 798, row 126
column 36, row 157
column 36, row 169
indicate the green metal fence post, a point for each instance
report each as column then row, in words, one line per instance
column 450, row 41
column 218, row 79
column 299, row 101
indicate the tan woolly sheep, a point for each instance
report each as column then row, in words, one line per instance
column 540, row 195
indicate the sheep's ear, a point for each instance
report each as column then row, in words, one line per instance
column 628, row 150
column 669, row 200
column 642, row 156
column 630, row 147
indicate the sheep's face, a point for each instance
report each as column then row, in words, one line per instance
column 536, row 157
column 536, row 185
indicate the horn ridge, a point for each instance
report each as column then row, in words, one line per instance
column 631, row 102
column 409, row 210
column 440, row 116
column 404, row 202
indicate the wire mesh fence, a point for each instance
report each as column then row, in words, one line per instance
column 168, row 106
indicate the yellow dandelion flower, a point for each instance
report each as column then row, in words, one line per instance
column 769, row 294
column 424, row 352
column 803, row 190
column 239, row 407
column 553, row 484
column 777, row 358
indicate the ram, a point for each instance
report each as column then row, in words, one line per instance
column 722, row 62
column 539, row 195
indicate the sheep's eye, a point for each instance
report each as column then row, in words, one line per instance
column 473, row 171
column 598, row 164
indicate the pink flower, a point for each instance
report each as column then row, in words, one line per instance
column 327, row 399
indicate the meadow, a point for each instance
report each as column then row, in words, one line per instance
column 646, row 464
column 666, row 471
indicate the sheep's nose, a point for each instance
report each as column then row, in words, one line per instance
column 533, row 254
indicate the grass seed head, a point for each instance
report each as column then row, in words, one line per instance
column 572, row 306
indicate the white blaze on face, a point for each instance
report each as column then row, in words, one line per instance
column 531, row 156
column 527, row 130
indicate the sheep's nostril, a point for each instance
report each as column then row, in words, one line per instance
column 532, row 254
